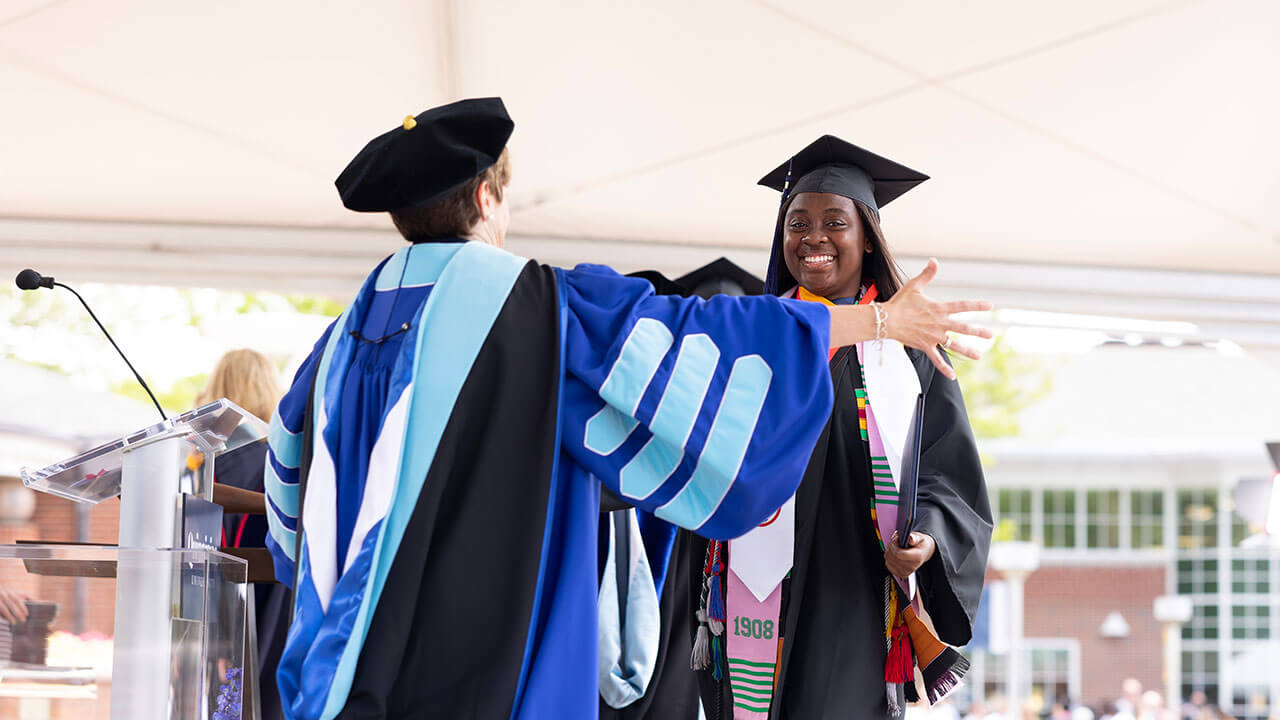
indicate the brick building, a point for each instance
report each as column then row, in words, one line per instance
column 1126, row 476
column 56, row 521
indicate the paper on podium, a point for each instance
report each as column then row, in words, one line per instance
column 94, row 476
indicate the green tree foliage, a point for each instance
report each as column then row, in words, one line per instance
column 303, row 304
column 1006, row 530
column 315, row 305
column 999, row 387
column 175, row 399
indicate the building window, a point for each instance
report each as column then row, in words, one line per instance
column 1051, row 673
column 1052, row 666
column 1201, row 668
column 1251, row 575
column 1059, row 518
column 1203, row 624
column 1251, row 701
column 1239, row 530
column 1103, row 508
column 1250, row 622
column 1146, row 519
column 1197, row 519
column 1013, row 509
column 1227, row 645
column 1210, row 691
column 1198, row 576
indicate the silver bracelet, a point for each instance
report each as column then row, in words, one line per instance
column 882, row 320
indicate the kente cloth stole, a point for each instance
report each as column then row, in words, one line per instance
column 743, row 603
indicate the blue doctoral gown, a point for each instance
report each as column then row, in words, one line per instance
column 451, row 431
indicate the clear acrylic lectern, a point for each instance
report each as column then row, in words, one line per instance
column 167, row 567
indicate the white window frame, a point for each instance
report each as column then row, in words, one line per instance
column 977, row 677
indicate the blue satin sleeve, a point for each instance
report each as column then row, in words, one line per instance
column 702, row 412
column 284, row 457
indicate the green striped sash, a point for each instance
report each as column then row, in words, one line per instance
column 751, row 684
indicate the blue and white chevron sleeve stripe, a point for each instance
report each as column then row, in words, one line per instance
column 703, row 412
column 284, row 457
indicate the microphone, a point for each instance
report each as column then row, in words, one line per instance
column 30, row 280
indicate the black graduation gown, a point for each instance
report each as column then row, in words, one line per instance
column 833, row 654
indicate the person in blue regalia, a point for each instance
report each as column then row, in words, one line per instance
column 435, row 470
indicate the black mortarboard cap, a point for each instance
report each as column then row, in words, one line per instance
column 427, row 156
column 721, row 277
column 831, row 165
column 718, row 277
column 662, row 285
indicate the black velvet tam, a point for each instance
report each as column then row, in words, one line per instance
column 426, row 156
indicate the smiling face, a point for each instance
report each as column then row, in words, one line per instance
column 824, row 244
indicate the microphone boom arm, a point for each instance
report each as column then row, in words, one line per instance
column 141, row 382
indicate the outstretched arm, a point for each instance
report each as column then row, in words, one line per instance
column 914, row 320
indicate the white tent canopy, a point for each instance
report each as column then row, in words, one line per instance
column 196, row 143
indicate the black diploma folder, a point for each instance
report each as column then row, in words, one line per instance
column 910, row 475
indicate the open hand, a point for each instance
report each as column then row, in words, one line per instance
column 919, row 322
column 13, row 607
column 902, row 561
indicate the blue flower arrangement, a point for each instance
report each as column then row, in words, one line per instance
column 229, row 697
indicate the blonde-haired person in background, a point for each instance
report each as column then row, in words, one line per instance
column 249, row 379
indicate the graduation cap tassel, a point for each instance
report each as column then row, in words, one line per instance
column 775, row 252
column 715, row 605
column 715, row 609
column 899, row 665
column 701, row 657
column 891, row 694
column 890, row 688
column 715, row 593
column 898, row 668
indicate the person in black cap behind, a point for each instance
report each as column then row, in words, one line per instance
column 839, row 597
column 435, row 469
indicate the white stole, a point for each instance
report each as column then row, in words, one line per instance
column 762, row 558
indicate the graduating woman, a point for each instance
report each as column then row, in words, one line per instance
column 818, row 612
